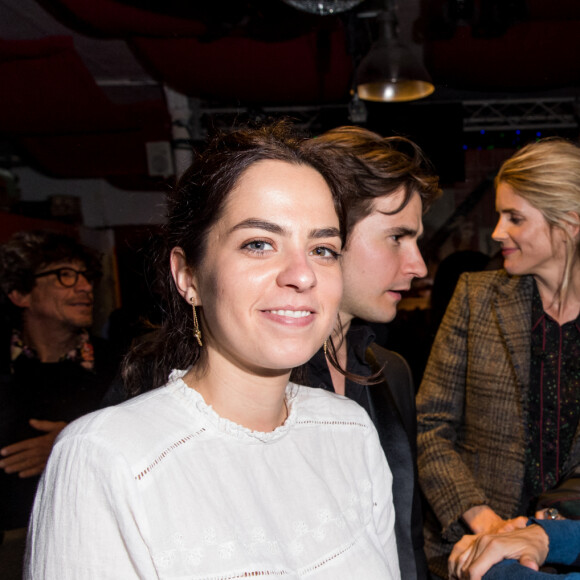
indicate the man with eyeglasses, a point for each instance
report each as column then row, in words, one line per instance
column 51, row 369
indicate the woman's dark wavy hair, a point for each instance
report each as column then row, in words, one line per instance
column 194, row 206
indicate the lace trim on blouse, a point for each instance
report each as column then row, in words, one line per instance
column 228, row 427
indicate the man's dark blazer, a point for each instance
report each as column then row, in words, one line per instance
column 392, row 410
column 390, row 404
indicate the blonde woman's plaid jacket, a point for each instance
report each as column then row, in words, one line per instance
column 471, row 406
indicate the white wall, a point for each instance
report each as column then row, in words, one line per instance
column 102, row 204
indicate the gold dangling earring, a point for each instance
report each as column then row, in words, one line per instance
column 325, row 347
column 196, row 330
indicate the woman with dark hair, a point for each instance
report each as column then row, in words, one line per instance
column 228, row 470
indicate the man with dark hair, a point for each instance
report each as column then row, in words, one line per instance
column 389, row 186
column 51, row 370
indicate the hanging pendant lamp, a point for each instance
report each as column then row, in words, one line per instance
column 390, row 72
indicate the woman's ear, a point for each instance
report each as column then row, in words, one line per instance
column 574, row 226
column 183, row 276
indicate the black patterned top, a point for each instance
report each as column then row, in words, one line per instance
column 553, row 406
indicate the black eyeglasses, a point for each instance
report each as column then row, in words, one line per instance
column 68, row 277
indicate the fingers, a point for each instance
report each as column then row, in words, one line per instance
column 29, row 457
column 520, row 522
column 47, row 426
column 17, row 448
column 486, row 553
column 473, row 555
column 26, row 463
column 528, row 545
column 529, row 562
column 33, row 470
column 27, row 451
column 460, row 557
column 53, row 427
column 513, row 524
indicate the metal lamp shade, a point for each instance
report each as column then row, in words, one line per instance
column 390, row 73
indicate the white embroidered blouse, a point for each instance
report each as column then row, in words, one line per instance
column 162, row 487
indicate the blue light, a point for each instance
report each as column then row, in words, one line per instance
column 482, row 132
column 539, row 134
column 517, row 131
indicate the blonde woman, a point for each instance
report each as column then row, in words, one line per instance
column 498, row 407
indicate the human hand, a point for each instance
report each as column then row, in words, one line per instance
column 510, row 525
column 483, row 520
column 29, row 457
column 474, row 555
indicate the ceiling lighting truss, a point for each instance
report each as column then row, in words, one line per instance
column 522, row 114
column 478, row 115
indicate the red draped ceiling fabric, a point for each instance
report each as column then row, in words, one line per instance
column 51, row 103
